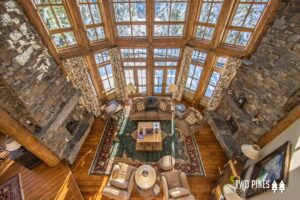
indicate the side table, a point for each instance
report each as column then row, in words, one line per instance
column 147, row 182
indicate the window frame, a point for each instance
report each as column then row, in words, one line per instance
column 242, row 29
column 130, row 22
column 60, row 30
column 206, row 24
column 169, row 22
column 93, row 25
column 104, row 64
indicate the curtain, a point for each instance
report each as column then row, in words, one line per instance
column 231, row 67
column 118, row 74
column 77, row 72
column 183, row 73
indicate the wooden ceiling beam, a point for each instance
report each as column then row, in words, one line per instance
column 94, row 73
column 108, row 21
column 223, row 21
column 150, row 28
column 205, row 77
column 192, row 19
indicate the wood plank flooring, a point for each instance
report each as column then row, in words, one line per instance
column 90, row 186
column 43, row 182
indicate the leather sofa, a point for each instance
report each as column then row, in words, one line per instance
column 152, row 108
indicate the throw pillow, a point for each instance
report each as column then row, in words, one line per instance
column 140, row 106
column 173, row 179
column 119, row 183
column 125, row 171
column 178, row 192
column 191, row 119
column 163, row 106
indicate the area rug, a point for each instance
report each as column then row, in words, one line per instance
column 11, row 189
column 118, row 145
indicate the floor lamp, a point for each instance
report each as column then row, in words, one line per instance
column 130, row 88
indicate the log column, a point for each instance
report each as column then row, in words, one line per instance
column 22, row 135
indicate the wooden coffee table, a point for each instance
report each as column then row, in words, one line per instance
column 148, row 137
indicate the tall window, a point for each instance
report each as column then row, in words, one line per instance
column 57, row 22
column 91, row 17
column 135, row 67
column 130, row 17
column 216, row 75
column 166, row 57
column 246, row 17
column 105, row 70
column 208, row 18
column 194, row 75
column 170, row 16
column 212, row 84
column 166, row 61
column 195, row 70
column 158, row 80
column 142, row 81
column 171, row 76
column 129, row 76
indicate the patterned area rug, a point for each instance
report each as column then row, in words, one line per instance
column 118, row 145
column 11, row 189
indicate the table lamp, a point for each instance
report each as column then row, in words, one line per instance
column 130, row 88
column 172, row 88
column 232, row 193
column 252, row 151
column 12, row 145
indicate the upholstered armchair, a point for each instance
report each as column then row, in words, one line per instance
column 175, row 186
column 189, row 122
column 120, row 184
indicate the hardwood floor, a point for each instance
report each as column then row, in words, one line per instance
column 90, row 186
column 43, row 182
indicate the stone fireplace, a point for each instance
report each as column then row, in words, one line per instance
column 34, row 89
column 265, row 89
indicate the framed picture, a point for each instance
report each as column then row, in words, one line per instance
column 274, row 167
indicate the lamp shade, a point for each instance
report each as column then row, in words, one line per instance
column 130, row 87
column 232, row 193
column 12, row 145
column 252, row 151
column 172, row 88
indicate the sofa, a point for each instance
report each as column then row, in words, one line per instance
column 175, row 186
column 151, row 108
column 121, row 182
column 189, row 122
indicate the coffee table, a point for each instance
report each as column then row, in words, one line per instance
column 148, row 137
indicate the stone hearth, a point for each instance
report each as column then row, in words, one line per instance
column 33, row 88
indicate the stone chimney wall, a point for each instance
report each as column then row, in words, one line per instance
column 270, row 85
column 33, row 87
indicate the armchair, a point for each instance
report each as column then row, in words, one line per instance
column 120, row 184
column 189, row 122
column 175, row 186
